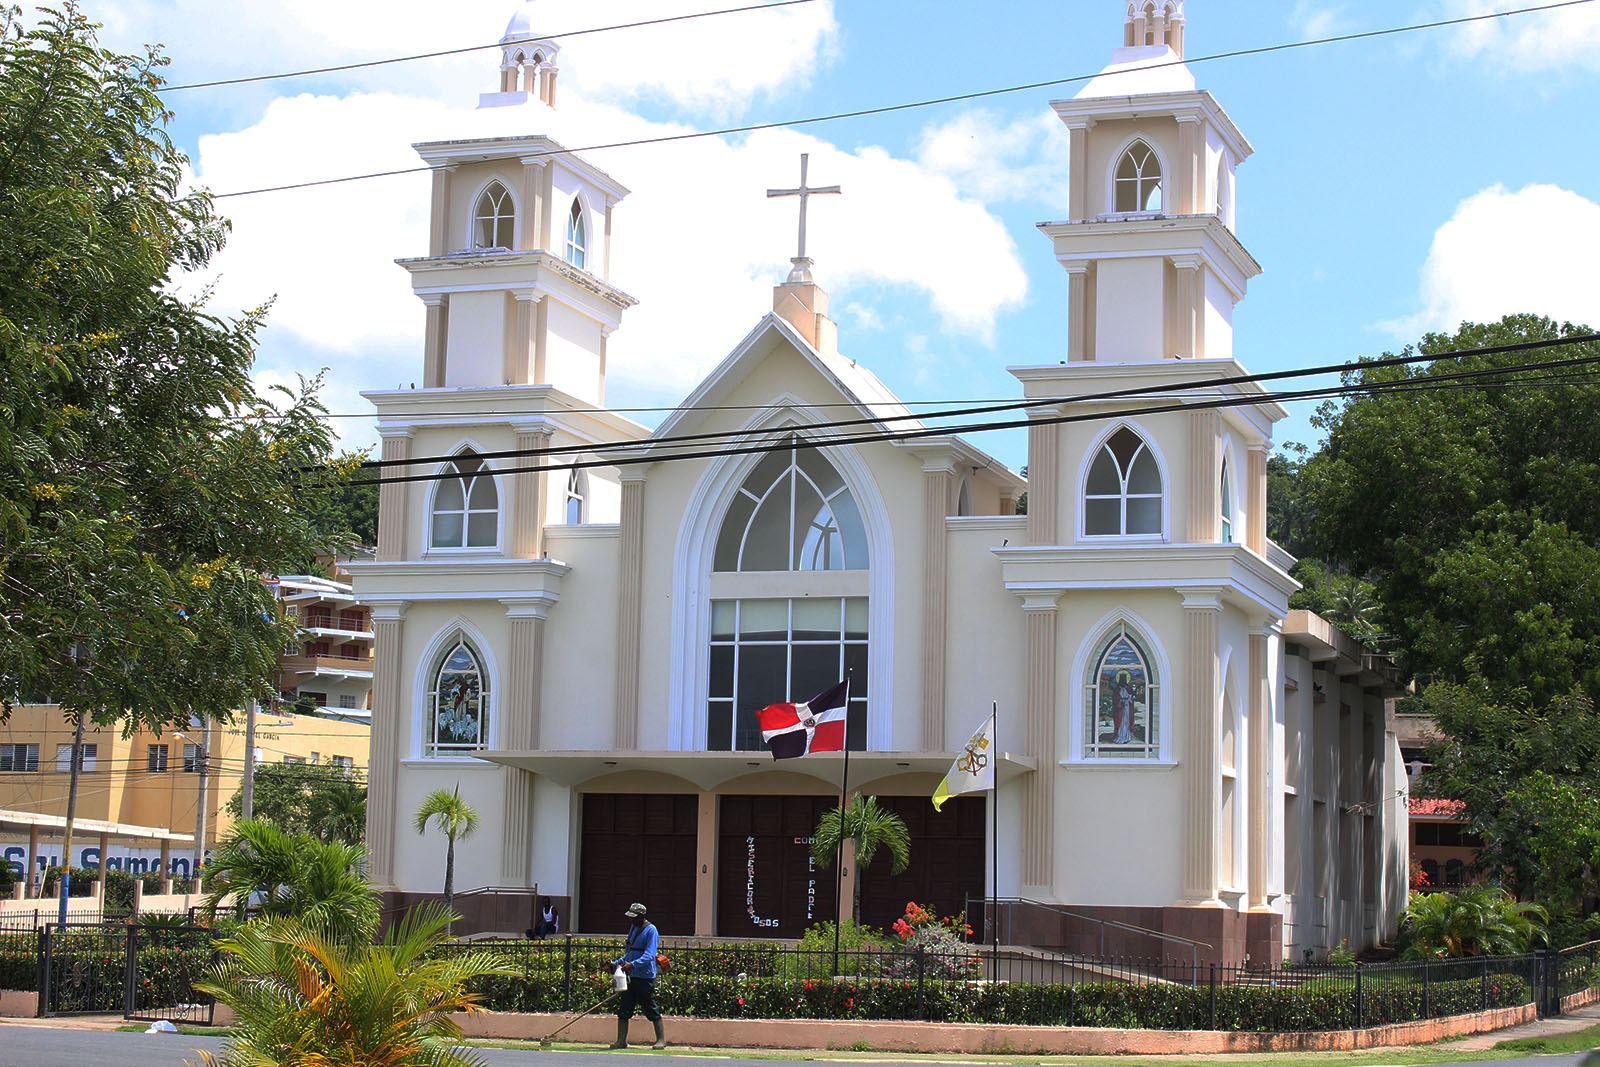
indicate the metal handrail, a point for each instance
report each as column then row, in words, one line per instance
column 1103, row 923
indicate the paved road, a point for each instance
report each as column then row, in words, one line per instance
column 36, row 1046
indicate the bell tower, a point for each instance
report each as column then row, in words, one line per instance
column 1153, row 265
column 527, row 64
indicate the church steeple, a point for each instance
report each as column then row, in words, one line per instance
column 800, row 301
column 1154, row 22
column 527, row 64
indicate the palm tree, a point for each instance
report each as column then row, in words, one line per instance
column 871, row 828
column 1481, row 920
column 457, row 819
column 302, row 995
column 296, row 876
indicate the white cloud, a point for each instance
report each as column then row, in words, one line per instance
column 1504, row 252
column 1547, row 40
column 698, row 242
column 1314, row 20
column 712, row 66
column 993, row 160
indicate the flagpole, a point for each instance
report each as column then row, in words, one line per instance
column 838, row 855
column 994, row 844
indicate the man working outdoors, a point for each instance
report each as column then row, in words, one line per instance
column 639, row 962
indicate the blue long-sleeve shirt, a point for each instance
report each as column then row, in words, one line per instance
column 640, row 951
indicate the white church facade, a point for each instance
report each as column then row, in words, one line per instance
column 578, row 621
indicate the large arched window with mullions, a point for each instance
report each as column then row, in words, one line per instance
column 1138, row 179
column 466, row 506
column 1122, row 494
column 494, row 218
column 458, row 702
column 794, row 520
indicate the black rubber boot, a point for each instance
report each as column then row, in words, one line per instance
column 661, row 1035
column 622, row 1033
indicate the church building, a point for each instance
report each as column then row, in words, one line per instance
column 576, row 617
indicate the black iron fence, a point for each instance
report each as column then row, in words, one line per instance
column 139, row 972
column 975, row 984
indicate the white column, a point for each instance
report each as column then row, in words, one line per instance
column 389, row 715
column 529, row 495
column 1260, row 776
column 520, row 712
column 439, row 218
column 1078, row 171
column 1205, row 485
column 533, row 204
column 1080, row 312
column 1044, row 464
column 1039, row 609
column 435, row 339
column 394, row 498
column 629, row 609
column 1202, row 608
column 938, row 480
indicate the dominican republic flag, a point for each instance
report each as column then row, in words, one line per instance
column 816, row 726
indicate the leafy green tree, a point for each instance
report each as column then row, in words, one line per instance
column 293, row 875
column 1290, row 517
column 1511, row 765
column 871, row 827
column 301, row 995
column 457, row 819
column 1471, row 509
column 1481, row 920
column 325, row 800
column 145, row 485
column 1563, row 844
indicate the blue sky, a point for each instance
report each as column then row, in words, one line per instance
column 1399, row 184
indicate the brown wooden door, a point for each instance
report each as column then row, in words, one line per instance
column 767, row 883
column 637, row 848
column 947, row 860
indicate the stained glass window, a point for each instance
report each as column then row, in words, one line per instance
column 1123, row 492
column 458, row 703
column 1122, row 712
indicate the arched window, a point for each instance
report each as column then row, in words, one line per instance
column 1138, row 179
column 1122, row 714
column 576, row 241
column 466, row 509
column 1227, row 505
column 792, row 515
column 964, row 498
column 493, row 219
column 1123, row 493
column 458, row 702
column 577, row 497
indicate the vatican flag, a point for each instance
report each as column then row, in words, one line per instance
column 973, row 770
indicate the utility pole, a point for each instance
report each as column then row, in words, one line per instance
column 72, row 812
column 200, row 808
column 247, row 790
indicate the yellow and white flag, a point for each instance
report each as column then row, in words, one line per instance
column 973, row 770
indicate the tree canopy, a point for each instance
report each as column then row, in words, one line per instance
column 145, row 484
column 327, row 801
column 1470, row 507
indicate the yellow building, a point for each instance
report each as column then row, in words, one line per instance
column 147, row 780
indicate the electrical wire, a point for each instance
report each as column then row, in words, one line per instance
column 475, row 47
column 618, row 454
column 937, row 101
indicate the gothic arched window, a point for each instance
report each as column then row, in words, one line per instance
column 458, row 702
column 1227, row 505
column 1123, row 492
column 793, row 518
column 1122, row 714
column 1138, row 179
column 576, row 241
column 577, row 497
column 466, row 509
column 494, row 218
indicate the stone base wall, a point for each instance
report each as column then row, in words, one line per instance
column 15, row 1004
column 978, row 1037
column 510, row 912
column 1235, row 939
column 1582, row 998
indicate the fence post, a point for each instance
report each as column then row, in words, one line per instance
column 1483, row 988
column 566, row 1004
column 43, row 984
column 1212, row 1000
column 1360, row 1007
column 1427, row 997
column 922, row 974
column 130, row 971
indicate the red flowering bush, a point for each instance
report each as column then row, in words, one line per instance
column 931, row 947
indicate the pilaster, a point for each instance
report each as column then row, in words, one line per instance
column 394, row 499
column 629, row 608
column 1205, row 487
column 705, row 875
column 388, row 714
column 529, row 495
column 1044, row 465
column 1040, row 610
column 533, row 203
column 1260, row 772
column 1078, row 171
column 1189, row 308
column 605, row 264
column 1080, row 311
column 519, row 359
column 938, row 485
column 435, row 332
column 520, row 709
column 1189, row 186
column 1255, row 505
column 439, row 219
column 546, row 207
column 1202, row 608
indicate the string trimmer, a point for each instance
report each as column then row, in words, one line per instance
column 548, row 1039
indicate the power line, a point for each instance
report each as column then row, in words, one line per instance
column 1164, row 404
column 473, row 48
column 936, row 101
column 652, row 443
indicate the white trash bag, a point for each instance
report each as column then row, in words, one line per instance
column 161, row 1026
